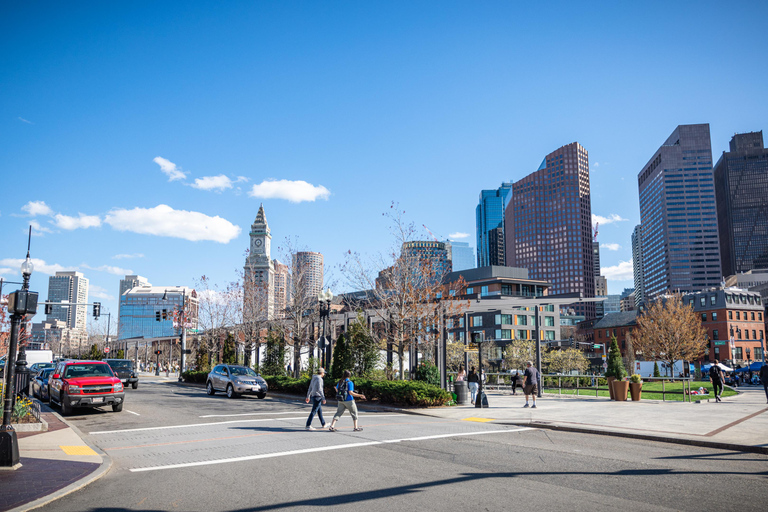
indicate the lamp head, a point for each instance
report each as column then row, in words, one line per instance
column 27, row 267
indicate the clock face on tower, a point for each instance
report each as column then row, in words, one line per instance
column 258, row 245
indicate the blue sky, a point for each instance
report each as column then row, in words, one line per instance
column 142, row 136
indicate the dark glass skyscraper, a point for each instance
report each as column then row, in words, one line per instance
column 490, row 216
column 680, row 249
column 548, row 225
column 741, row 185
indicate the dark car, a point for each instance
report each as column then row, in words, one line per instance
column 39, row 384
column 85, row 384
column 123, row 368
column 36, row 367
column 235, row 380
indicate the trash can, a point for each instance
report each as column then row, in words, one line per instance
column 462, row 392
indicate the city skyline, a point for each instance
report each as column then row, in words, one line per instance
column 152, row 158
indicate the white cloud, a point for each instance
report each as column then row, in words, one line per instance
column 162, row 220
column 219, row 183
column 34, row 208
column 595, row 164
column 39, row 266
column 25, row 120
column 99, row 292
column 170, row 169
column 109, row 269
column 127, row 256
column 458, row 234
column 37, row 229
column 610, row 247
column 620, row 272
column 293, row 191
column 607, row 220
column 6, row 270
column 70, row 223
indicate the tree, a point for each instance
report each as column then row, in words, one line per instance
column 671, row 331
column 630, row 352
column 252, row 314
column 342, row 358
column 518, row 352
column 363, row 348
column 615, row 364
column 565, row 361
column 229, row 353
column 217, row 315
column 408, row 295
column 656, row 371
column 274, row 354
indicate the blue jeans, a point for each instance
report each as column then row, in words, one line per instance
column 317, row 407
column 473, row 389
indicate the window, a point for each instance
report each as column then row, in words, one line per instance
column 483, row 291
column 754, row 334
column 549, row 321
column 470, row 290
column 461, row 321
column 760, row 316
column 713, row 299
column 730, row 315
column 753, row 315
column 715, row 334
column 476, row 321
column 703, row 301
column 549, row 335
column 738, row 352
column 607, row 333
column 503, row 334
column 728, row 298
column 703, row 317
column 758, row 353
column 503, row 319
column 550, row 308
column 714, row 316
column 449, row 323
column 521, row 320
column 746, row 334
column 738, row 315
column 522, row 334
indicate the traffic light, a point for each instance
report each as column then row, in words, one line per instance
column 158, row 352
column 48, row 309
column 165, row 314
column 157, row 316
column 478, row 337
column 96, row 309
column 573, row 343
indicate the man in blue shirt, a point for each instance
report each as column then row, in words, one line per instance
column 346, row 395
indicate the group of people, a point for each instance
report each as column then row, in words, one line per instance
column 345, row 395
column 530, row 382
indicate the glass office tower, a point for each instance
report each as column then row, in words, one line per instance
column 680, row 248
column 489, row 219
column 741, row 186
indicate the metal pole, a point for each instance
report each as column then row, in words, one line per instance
column 444, row 354
column 538, row 348
column 183, row 358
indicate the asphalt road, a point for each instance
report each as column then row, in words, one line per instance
column 175, row 448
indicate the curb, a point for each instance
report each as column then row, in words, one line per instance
column 645, row 437
column 104, row 467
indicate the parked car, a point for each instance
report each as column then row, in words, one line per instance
column 85, row 384
column 123, row 368
column 39, row 384
column 36, row 367
column 235, row 380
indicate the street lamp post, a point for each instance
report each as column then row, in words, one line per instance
column 20, row 304
column 325, row 298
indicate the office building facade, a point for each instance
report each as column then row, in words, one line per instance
column 680, row 246
column 489, row 216
column 637, row 264
column 154, row 311
column 69, row 287
column 548, row 225
column 429, row 257
column 741, row 187
column 308, row 266
column 460, row 254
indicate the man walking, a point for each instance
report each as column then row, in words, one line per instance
column 531, row 383
column 764, row 379
column 317, row 395
column 716, row 378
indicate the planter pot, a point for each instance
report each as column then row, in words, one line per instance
column 636, row 390
column 610, row 381
column 620, row 390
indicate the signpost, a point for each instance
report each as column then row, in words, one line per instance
column 106, row 350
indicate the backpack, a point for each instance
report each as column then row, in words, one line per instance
column 342, row 391
column 714, row 373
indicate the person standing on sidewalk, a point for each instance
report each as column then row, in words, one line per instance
column 716, row 378
column 531, row 383
column 764, row 379
column 514, row 382
column 346, row 395
column 472, row 383
column 317, row 395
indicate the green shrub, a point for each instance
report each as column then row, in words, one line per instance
column 429, row 373
column 194, row 376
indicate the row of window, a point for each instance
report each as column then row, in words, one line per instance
column 501, row 319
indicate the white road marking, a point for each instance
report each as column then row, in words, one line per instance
column 319, row 449
column 245, row 414
column 137, row 414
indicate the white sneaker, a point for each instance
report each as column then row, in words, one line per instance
column 310, row 428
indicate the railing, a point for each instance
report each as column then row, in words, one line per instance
column 578, row 384
column 35, row 409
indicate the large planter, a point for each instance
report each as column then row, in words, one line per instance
column 610, row 381
column 635, row 390
column 620, row 390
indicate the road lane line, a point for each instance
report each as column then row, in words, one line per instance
column 137, row 414
column 315, row 450
column 245, row 414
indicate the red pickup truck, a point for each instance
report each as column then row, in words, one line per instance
column 85, row 384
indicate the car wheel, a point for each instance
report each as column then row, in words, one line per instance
column 231, row 392
column 209, row 388
column 117, row 407
column 66, row 409
column 135, row 385
column 261, row 395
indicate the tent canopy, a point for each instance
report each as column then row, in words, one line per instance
column 755, row 366
column 706, row 367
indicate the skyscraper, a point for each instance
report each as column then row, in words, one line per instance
column 548, row 225
column 308, row 270
column 637, row 264
column 490, row 216
column 282, row 282
column 596, row 257
column 461, row 255
column 68, row 287
column 431, row 256
column 741, row 186
column 680, row 248
column 129, row 282
column 259, row 271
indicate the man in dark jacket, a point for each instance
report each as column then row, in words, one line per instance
column 764, row 379
column 716, row 378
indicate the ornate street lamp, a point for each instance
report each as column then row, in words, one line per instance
column 20, row 304
column 325, row 298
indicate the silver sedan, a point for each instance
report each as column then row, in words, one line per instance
column 235, row 380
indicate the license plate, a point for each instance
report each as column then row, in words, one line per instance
column 99, row 400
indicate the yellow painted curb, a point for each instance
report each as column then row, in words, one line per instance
column 78, row 450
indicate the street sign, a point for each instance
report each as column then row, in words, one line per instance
column 719, row 343
column 604, row 357
column 106, row 350
column 605, row 366
column 471, row 350
column 473, row 346
column 597, row 346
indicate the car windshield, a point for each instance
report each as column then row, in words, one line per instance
column 121, row 365
column 46, row 373
column 87, row 370
column 40, row 366
column 242, row 371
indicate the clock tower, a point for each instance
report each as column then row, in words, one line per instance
column 260, row 270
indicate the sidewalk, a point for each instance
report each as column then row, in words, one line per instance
column 737, row 423
column 53, row 464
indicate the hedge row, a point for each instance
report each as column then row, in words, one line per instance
column 392, row 392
